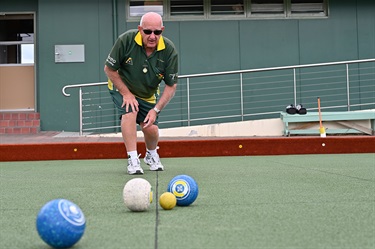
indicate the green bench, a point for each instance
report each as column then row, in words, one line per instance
column 302, row 123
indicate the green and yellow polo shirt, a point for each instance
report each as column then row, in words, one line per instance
column 142, row 74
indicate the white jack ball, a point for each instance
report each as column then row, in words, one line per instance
column 137, row 194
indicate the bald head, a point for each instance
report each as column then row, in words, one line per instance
column 151, row 18
column 151, row 27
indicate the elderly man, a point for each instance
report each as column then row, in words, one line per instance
column 137, row 63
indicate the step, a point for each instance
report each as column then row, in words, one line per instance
column 19, row 122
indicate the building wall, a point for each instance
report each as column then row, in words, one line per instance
column 204, row 46
column 18, row 5
column 64, row 23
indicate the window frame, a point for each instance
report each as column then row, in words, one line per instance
column 248, row 15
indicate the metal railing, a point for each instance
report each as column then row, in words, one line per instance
column 241, row 95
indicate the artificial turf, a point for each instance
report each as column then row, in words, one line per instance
column 301, row 201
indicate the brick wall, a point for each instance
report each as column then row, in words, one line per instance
column 19, row 122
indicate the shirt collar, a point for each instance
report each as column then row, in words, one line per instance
column 138, row 40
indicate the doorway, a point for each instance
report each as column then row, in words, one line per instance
column 17, row 62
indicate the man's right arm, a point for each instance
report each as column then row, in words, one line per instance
column 128, row 98
column 116, row 80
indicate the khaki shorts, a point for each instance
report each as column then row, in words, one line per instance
column 144, row 107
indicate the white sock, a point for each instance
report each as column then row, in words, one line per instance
column 132, row 154
column 152, row 152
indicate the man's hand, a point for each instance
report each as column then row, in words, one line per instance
column 150, row 118
column 129, row 100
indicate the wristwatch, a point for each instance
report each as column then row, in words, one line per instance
column 156, row 110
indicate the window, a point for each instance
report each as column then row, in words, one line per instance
column 193, row 8
column 264, row 7
column 220, row 7
column 229, row 9
column 138, row 8
column 16, row 39
column 304, row 6
column 27, row 53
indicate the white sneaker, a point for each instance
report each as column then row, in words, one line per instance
column 134, row 166
column 153, row 162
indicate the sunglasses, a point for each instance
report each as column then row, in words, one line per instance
column 149, row 31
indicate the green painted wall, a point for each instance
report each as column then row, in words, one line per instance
column 63, row 23
column 19, row 5
column 204, row 46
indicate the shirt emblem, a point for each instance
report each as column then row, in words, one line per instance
column 129, row 61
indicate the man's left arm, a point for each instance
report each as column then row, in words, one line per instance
column 166, row 96
column 170, row 79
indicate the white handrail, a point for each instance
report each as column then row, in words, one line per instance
column 82, row 85
column 233, row 72
column 241, row 114
column 275, row 68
